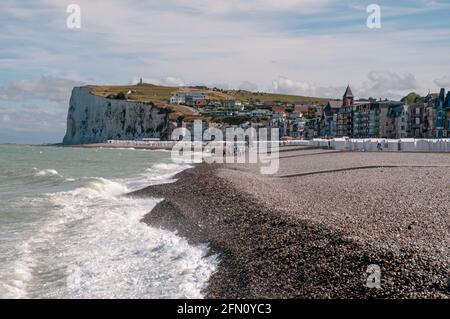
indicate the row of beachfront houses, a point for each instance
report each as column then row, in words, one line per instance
column 346, row 118
column 387, row 119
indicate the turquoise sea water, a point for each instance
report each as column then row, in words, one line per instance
column 66, row 231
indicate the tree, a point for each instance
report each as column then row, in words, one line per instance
column 121, row 96
column 412, row 98
column 180, row 119
column 311, row 113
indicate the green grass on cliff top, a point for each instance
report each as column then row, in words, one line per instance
column 160, row 94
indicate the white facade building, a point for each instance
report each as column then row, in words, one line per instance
column 233, row 104
column 186, row 97
column 178, row 98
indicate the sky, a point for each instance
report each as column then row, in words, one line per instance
column 305, row 47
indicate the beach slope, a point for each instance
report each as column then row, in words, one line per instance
column 317, row 235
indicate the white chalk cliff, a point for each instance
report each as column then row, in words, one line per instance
column 93, row 119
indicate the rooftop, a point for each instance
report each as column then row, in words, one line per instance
column 348, row 92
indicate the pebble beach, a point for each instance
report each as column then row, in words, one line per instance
column 313, row 229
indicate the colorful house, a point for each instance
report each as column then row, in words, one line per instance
column 398, row 121
column 366, row 119
column 344, row 119
column 447, row 116
column 328, row 119
column 417, row 113
column 440, row 114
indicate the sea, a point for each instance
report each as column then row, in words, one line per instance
column 68, row 231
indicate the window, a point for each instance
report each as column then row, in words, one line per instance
column 417, row 121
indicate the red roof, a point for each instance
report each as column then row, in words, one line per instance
column 279, row 109
column 300, row 109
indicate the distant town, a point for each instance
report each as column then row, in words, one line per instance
column 412, row 117
column 148, row 112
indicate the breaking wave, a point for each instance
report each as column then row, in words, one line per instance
column 94, row 245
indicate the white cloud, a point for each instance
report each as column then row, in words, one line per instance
column 191, row 41
column 288, row 86
column 248, row 86
column 46, row 87
column 233, row 6
column 443, row 82
column 29, row 117
column 388, row 85
column 172, row 81
column 35, row 107
column 333, row 92
column 378, row 85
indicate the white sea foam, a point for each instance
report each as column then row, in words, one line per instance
column 99, row 187
column 46, row 172
column 21, row 274
column 167, row 167
column 162, row 173
column 96, row 233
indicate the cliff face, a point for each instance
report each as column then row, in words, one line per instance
column 93, row 119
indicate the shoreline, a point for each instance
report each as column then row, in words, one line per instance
column 266, row 253
column 120, row 146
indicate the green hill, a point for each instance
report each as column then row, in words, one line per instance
column 160, row 94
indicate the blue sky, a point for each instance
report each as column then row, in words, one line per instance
column 309, row 47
